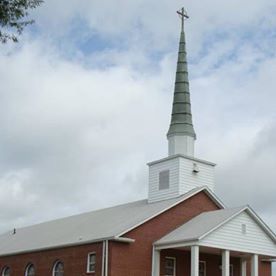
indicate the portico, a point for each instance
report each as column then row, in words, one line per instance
column 202, row 261
column 227, row 242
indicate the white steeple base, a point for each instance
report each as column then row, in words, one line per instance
column 178, row 174
column 181, row 144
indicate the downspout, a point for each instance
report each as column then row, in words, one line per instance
column 106, row 258
column 103, row 258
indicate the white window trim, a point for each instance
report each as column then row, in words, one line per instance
column 205, row 266
column 27, row 268
column 54, row 266
column 174, row 264
column 4, row 270
column 87, row 265
column 159, row 179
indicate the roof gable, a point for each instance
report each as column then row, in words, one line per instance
column 223, row 229
column 244, row 233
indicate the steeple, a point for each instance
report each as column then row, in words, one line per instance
column 181, row 135
column 180, row 172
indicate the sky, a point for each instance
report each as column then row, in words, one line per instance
column 86, row 95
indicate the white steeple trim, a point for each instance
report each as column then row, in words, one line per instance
column 181, row 144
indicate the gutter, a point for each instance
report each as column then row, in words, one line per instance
column 106, row 258
column 103, row 257
column 46, row 248
column 269, row 260
column 122, row 239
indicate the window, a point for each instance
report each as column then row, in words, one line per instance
column 6, row 271
column 30, row 270
column 164, row 180
column 202, row 268
column 58, row 269
column 244, row 230
column 91, row 262
column 170, row 266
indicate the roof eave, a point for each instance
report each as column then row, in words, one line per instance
column 113, row 238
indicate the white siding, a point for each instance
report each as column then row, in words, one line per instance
column 182, row 177
column 230, row 236
column 154, row 193
column 190, row 180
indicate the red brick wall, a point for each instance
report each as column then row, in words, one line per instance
column 265, row 268
column 135, row 259
column 128, row 259
column 74, row 259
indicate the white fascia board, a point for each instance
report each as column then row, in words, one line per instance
column 176, row 244
column 204, row 188
column 222, row 223
column 233, row 249
column 261, row 223
column 183, row 156
column 219, row 203
column 54, row 247
column 118, row 239
column 253, row 215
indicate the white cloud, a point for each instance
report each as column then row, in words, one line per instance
column 77, row 131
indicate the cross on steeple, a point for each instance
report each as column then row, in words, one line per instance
column 183, row 15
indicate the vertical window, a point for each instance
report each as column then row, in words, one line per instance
column 30, row 270
column 91, row 262
column 58, row 269
column 244, row 230
column 6, row 271
column 170, row 266
column 164, row 180
column 202, row 268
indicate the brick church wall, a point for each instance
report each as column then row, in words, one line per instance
column 74, row 259
column 128, row 259
column 135, row 259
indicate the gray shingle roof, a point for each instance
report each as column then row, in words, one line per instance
column 88, row 227
column 197, row 227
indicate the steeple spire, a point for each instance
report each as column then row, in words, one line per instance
column 181, row 134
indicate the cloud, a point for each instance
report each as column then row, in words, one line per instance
column 85, row 103
column 80, row 131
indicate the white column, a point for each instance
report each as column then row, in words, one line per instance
column 255, row 265
column 225, row 263
column 243, row 267
column 155, row 262
column 194, row 260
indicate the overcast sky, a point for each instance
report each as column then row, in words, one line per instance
column 85, row 102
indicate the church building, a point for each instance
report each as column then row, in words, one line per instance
column 181, row 229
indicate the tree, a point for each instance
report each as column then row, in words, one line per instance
column 14, row 17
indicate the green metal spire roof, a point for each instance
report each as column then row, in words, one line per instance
column 181, row 120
